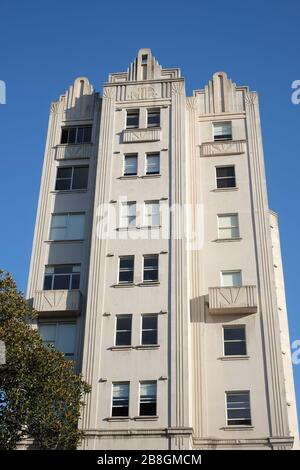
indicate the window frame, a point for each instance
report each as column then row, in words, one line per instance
column 151, row 154
column 238, row 326
column 145, row 215
column 54, row 275
column 225, row 177
column 119, row 269
column 232, row 227
column 232, row 271
column 68, row 128
column 130, row 155
column 148, row 256
column 112, row 400
column 72, row 167
column 224, row 137
column 241, row 420
column 144, row 315
column 156, row 111
column 126, row 217
column 118, row 317
column 68, row 216
column 143, row 382
column 133, row 111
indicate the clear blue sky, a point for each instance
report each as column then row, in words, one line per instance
column 46, row 44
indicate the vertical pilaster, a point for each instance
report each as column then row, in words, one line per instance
column 266, row 283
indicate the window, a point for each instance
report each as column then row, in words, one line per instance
column 150, row 268
column 153, row 118
column 228, row 226
column 62, row 277
column 130, row 165
column 234, row 340
column 238, row 408
column 128, row 214
column 222, row 131
column 231, row 278
column 152, row 164
column 67, row 227
column 225, row 177
column 71, row 177
column 76, row 135
column 126, row 266
column 152, row 213
column 144, row 66
column 120, row 399
column 61, row 335
column 148, row 398
column 149, row 329
column 123, row 330
column 132, row 120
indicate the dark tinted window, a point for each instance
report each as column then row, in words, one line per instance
column 80, row 177
column 149, row 329
column 234, row 341
column 226, row 177
column 132, row 120
column 123, row 330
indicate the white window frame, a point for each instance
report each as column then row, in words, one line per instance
column 127, row 315
column 125, row 216
column 133, row 111
column 215, row 124
column 156, row 111
column 66, row 227
column 150, row 256
column 112, row 398
column 237, row 226
column 227, row 271
column 226, row 177
column 128, row 155
column 152, row 214
column 151, row 154
column 239, row 326
column 226, row 409
column 119, row 266
column 142, row 382
column 143, row 315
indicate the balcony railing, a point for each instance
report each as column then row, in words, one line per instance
column 141, row 135
column 73, row 151
column 232, row 299
column 229, row 147
column 57, row 301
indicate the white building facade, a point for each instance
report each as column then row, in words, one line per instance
column 156, row 264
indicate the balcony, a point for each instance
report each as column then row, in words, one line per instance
column 64, row 301
column 141, row 135
column 229, row 147
column 233, row 300
column 73, row 151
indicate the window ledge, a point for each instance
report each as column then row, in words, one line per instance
column 67, row 191
column 121, row 348
column 128, row 177
column 117, row 418
column 129, row 284
column 147, row 284
column 124, row 229
column 220, row 240
column 237, row 428
column 155, row 175
column 147, row 346
column 72, row 143
column 149, row 227
column 146, row 418
column 233, row 358
column 216, row 190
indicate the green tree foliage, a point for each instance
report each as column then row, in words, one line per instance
column 40, row 395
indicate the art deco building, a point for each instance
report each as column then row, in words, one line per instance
column 156, row 264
